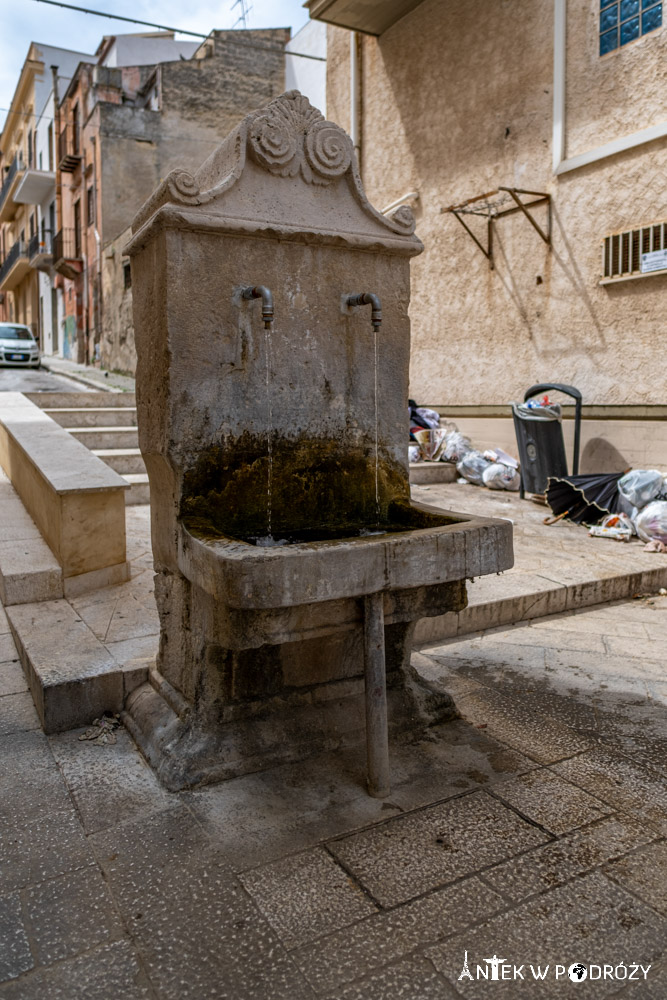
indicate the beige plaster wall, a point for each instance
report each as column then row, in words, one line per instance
column 615, row 95
column 456, row 100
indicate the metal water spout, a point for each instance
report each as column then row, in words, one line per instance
column 365, row 299
column 263, row 293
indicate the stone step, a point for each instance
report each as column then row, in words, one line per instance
column 433, row 472
column 72, row 676
column 124, row 461
column 63, row 400
column 106, row 437
column 89, row 416
column 139, row 491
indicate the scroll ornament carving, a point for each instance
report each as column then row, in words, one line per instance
column 288, row 138
column 292, row 137
column 183, row 188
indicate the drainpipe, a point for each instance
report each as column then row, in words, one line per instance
column 56, row 143
column 354, row 95
column 84, row 249
column 98, row 251
column 98, row 296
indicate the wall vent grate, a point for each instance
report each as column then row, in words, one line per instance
column 621, row 252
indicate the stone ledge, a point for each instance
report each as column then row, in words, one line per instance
column 75, row 500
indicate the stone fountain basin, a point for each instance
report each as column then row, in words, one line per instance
column 241, row 575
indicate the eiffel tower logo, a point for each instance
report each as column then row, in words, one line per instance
column 465, row 972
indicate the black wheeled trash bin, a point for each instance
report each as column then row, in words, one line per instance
column 539, row 438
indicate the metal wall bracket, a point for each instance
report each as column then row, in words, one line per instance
column 492, row 210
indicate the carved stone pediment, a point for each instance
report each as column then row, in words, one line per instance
column 266, row 176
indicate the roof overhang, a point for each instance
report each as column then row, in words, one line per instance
column 370, row 16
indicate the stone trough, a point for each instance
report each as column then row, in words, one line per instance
column 273, row 341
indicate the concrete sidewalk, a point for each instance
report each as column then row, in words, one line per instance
column 90, row 375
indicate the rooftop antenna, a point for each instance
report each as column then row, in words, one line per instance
column 245, row 11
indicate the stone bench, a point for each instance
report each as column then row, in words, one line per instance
column 76, row 501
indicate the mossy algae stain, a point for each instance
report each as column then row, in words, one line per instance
column 315, row 484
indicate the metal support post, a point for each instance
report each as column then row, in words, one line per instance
column 377, row 741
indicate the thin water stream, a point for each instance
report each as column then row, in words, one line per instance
column 377, row 481
column 269, row 433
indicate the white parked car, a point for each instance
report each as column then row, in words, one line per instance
column 18, row 346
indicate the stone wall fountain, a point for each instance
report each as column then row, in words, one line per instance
column 271, row 318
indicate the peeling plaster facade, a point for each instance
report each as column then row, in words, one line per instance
column 463, row 96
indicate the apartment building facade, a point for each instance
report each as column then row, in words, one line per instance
column 450, row 104
column 28, row 210
column 131, row 125
column 98, row 142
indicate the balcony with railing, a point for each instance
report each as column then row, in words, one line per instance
column 67, row 258
column 15, row 266
column 9, row 184
column 40, row 250
column 69, row 148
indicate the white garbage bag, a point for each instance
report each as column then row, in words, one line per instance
column 651, row 522
column 640, row 486
column 499, row 476
column 472, row 467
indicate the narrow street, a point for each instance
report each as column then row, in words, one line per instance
column 36, row 380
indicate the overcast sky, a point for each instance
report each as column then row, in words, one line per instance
column 25, row 21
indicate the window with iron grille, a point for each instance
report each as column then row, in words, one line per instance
column 622, row 252
column 621, row 21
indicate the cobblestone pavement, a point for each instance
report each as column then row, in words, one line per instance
column 532, row 829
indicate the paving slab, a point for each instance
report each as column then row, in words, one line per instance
column 591, row 921
column 109, row 783
column 52, row 844
column 415, row 977
column 12, row 678
column 569, row 857
column 552, row 803
column 622, row 783
column 413, row 854
column 15, row 954
column 306, row 896
column 387, row 937
column 71, row 914
column 644, row 873
column 113, row 970
column 30, row 781
column 211, row 938
column 17, row 714
column 514, row 724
